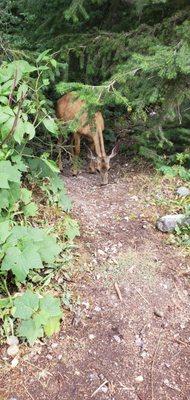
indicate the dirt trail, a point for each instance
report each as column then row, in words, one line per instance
column 132, row 348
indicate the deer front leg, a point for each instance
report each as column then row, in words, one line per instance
column 92, row 168
column 76, row 152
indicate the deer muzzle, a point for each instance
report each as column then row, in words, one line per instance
column 104, row 177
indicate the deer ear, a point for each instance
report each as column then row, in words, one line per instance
column 115, row 150
column 90, row 154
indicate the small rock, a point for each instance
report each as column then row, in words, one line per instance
column 14, row 362
column 168, row 223
column 97, row 309
column 144, row 354
column 54, row 345
column 144, row 226
column 183, row 191
column 101, row 252
column 135, row 198
column 49, row 357
column 13, row 350
column 102, row 377
column 104, row 389
column 91, row 336
column 60, row 356
column 117, row 338
column 139, row 341
column 166, row 382
column 86, row 304
column 139, row 379
column 165, row 286
column 93, row 376
column 158, row 313
column 12, row 340
column 77, row 373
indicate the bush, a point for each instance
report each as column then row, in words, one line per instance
column 28, row 254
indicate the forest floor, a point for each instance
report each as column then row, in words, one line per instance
column 129, row 337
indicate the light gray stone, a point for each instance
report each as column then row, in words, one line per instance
column 117, row 338
column 139, row 379
column 183, row 191
column 168, row 223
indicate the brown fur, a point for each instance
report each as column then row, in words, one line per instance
column 68, row 107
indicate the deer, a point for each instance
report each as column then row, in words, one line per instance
column 70, row 107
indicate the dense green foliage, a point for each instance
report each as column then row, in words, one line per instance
column 132, row 55
column 29, row 255
column 128, row 57
column 37, row 315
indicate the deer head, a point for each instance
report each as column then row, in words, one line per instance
column 102, row 163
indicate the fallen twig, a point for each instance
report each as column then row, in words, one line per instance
column 179, row 341
column 179, row 294
column 118, row 291
column 40, row 369
column 140, row 294
column 101, row 386
column 139, row 397
column 26, row 390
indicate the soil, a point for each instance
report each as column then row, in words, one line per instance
column 129, row 336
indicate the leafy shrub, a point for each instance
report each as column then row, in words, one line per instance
column 38, row 315
column 24, row 248
column 182, row 236
column 14, row 199
column 182, row 233
column 27, row 117
column 23, row 106
column 175, row 170
column 44, row 172
column 71, row 228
